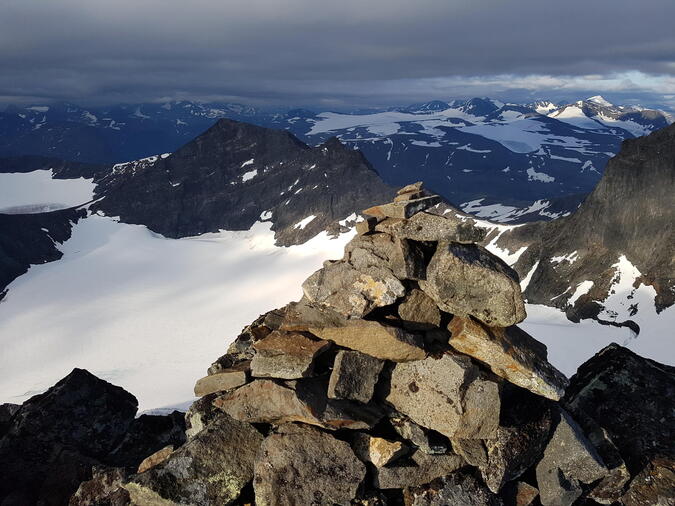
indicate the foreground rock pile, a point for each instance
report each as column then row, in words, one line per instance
column 401, row 377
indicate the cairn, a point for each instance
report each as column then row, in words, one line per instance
column 399, row 377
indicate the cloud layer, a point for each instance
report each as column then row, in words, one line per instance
column 306, row 52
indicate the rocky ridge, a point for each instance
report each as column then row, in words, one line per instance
column 401, row 377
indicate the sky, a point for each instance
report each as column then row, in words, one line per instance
column 335, row 54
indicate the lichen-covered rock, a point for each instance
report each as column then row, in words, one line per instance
column 225, row 379
column 510, row 353
column 654, row 485
column 376, row 450
column 354, row 376
column 103, row 489
column 418, row 311
column 460, row 488
column 570, row 461
column 211, row 468
column 285, row 355
column 199, row 415
column 466, row 279
column 385, row 342
column 303, row 465
column 447, row 394
column 420, row 469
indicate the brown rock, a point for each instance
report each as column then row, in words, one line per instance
column 433, row 227
column 354, row 376
column 448, row 394
column 510, row 353
column 466, row 279
column 427, row 441
column 459, row 488
column 302, row 465
column 411, row 188
column 420, row 469
column 366, row 226
column 376, row 450
column 227, row 379
column 418, row 311
column 403, row 209
column 286, row 355
column 519, row 493
column 303, row 315
column 104, row 489
column 156, row 458
column 410, row 196
column 375, row 339
column 654, row 485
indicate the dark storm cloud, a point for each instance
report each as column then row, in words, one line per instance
column 331, row 53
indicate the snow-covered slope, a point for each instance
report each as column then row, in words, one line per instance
column 38, row 191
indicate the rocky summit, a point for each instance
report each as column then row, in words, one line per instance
column 400, row 378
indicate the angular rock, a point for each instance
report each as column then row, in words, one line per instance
column 211, row 468
column 519, row 493
column 569, row 461
column 376, row 450
column 458, row 488
column 366, row 226
column 432, row 227
column 265, row 401
column 654, row 485
column 510, row 353
column 418, row 311
column 466, row 279
column 7, row 411
column 302, row 465
column 411, row 188
column 447, row 394
column 301, row 316
column 351, row 292
column 286, row 355
column 631, row 398
column 405, row 259
column 199, row 415
column 375, row 339
column 523, row 433
column 103, row 489
column 354, row 376
column 410, row 196
column 420, row 469
column 156, row 458
column 226, row 379
column 403, row 209
column 427, row 441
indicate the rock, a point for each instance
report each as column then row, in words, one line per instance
column 146, row 435
column 630, row 397
column 303, row 315
column 403, row 209
column 265, row 401
column 376, row 450
column 523, row 433
column 419, row 470
column 569, row 461
column 55, row 438
column 432, row 227
column 510, row 353
column 366, row 226
column 199, row 415
column 375, row 339
column 466, row 279
column 410, row 196
column 351, row 292
column 429, row 442
column 7, row 411
column 448, row 394
column 418, row 311
column 519, row 493
column 404, row 259
column 225, row 379
column 104, row 489
column 211, row 468
column 458, row 488
column 411, row 188
column 286, row 355
column 654, row 485
column 156, row 458
column 354, row 376
column 302, row 465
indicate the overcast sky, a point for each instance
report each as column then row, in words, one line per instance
column 335, row 54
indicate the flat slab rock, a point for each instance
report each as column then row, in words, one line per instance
column 226, row 379
column 447, row 394
column 303, row 465
column 376, row 450
column 510, row 353
column 211, row 468
column 354, row 376
column 418, row 311
column 432, row 227
column 466, row 279
column 286, row 355
column 403, row 209
column 375, row 339
column 419, row 470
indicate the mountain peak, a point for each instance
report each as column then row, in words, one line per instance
column 600, row 100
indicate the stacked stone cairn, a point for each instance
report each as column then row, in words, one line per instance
column 400, row 377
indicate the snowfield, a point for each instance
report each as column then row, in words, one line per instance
column 37, row 192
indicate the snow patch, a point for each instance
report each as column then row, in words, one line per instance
column 249, row 175
column 533, row 175
column 304, row 222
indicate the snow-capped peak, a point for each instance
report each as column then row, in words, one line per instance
column 600, row 100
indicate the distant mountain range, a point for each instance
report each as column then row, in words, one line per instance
column 506, row 162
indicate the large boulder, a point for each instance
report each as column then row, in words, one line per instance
column 425, row 226
column 510, row 353
column 448, row 394
column 212, row 468
column 467, row 280
column 303, row 465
